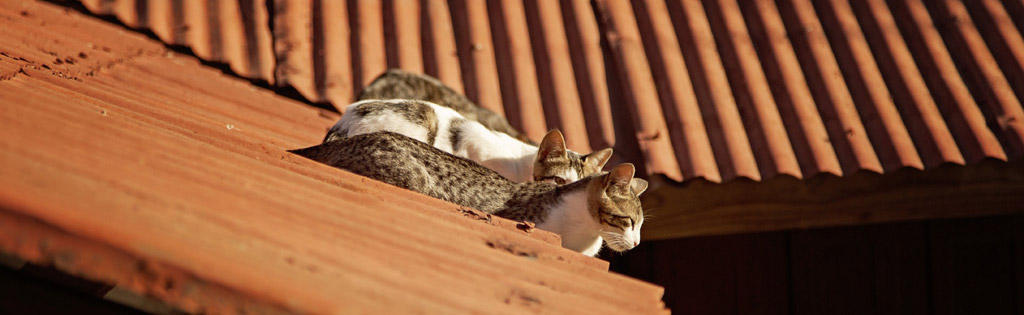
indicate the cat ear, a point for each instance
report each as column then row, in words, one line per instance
column 638, row 185
column 620, row 175
column 553, row 145
column 598, row 159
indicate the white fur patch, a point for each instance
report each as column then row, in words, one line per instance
column 570, row 175
column 571, row 219
column 632, row 236
column 498, row 151
column 392, row 121
column 622, row 240
column 445, row 116
column 386, row 121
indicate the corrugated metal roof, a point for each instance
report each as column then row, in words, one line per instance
column 718, row 89
column 126, row 163
column 810, row 94
column 234, row 32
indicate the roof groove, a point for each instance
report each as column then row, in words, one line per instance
column 441, row 55
column 588, row 62
column 293, row 46
column 828, row 89
column 198, row 30
column 337, row 59
column 683, row 117
column 639, row 89
column 882, row 121
column 768, row 139
column 1000, row 106
column 928, row 131
column 518, row 76
column 405, row 43
column 159, row 19
column 476, row 53
column 1003, row 40
column 965, row 120
column 370, row 55
column 796, row 106
column 232, row 47
column 727, row 135
column 557, row 76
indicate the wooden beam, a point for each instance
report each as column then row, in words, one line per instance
column 700, row 208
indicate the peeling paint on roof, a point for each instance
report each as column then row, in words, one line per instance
column 126, row 163
column 715, row 89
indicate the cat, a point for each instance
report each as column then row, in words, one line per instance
column 602, row 207
column 450, row 132
column 398, row 84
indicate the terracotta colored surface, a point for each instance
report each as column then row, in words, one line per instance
column 405, row 34
column 337, row 81
column 440, row 56
column 293, row 45
column 692, row 91
column 967, row 123
column 368, row 32
column 555, row 73
column 767, row 135
column 726, row 132
column 591, row 77
column 129, row 164
column 475, row 48
column 518, row 74
column 716, row 89
column 869, row 90
column 641, row 97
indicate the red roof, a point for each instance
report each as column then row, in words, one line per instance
column 711, row 89
column 129, row 164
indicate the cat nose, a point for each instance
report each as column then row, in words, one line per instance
column 635, row 243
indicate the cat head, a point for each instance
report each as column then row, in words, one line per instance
column 614, row 201
column 555, row 163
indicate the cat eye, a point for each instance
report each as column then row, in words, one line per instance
column 556, row 179
column 621, row 218
column 618, row 221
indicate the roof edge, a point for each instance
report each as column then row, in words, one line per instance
column 703, row 208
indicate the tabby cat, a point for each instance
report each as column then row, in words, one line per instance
column 450, row 132
column 398, row 84
column 602, row 207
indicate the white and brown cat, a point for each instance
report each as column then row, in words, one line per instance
column 399, row 84
column 449, row 131
column 603, row 208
